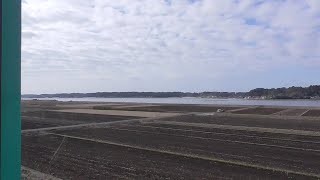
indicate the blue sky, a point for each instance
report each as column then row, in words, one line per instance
column 176, row 45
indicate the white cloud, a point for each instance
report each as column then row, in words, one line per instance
column 100, row 45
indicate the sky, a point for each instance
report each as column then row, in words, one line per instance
column 169, row 45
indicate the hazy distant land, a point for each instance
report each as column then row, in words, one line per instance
column 311, row 92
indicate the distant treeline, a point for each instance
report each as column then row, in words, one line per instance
column 287, row 93
column 274, row 93
column 138, row 95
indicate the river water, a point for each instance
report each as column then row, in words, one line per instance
column 304, row 103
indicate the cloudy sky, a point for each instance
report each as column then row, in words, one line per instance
column 169, row 45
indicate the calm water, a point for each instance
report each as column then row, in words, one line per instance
column 310, row 103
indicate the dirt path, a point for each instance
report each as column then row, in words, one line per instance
column 119, row 112
column 31, row 174
column 83, row 125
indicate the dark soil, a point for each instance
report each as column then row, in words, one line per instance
column 74, row 158
column 171, row 108
column 274, row 152
column 27, row 124
column 292, row 112
column 259, row 135
column 79, row 159
column 76, row 116
column 261, row 111
column 314, row 113
column 42, row 119
column 264, row 122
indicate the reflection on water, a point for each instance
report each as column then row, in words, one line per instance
column 313, row 103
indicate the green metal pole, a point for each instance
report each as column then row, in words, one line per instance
column 10, row 89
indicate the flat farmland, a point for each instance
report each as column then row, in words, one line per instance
column 117, row 112
column 170, row 108
column 292, row 112
column 314, row 113
column 283, row 152
column 259, row 110
column 87, row 159
column 250, row 121
column 43, row 119
column 198, row 145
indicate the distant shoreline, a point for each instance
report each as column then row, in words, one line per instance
column 192, row 100
column 311, row 92
column 256, row 98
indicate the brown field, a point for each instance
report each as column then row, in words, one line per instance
column 176, row 146
column 249, row 121
column 261, row 111
column 314, row 113
column 169, row 108
column 41, row 119
column 291, row 112
column 118, row 112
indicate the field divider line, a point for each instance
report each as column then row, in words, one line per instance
column 66, row 122
column 83, row 125
column 93, row 124
column 283, row 111
column 240, row 109
column 304, row 112
column 238, row 163
column 57, row 150
column 221, row 140
column 245, row 128
column 259, row 116
column 221, row 133
column 119, row 112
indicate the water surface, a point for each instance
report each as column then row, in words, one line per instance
column 304, row 103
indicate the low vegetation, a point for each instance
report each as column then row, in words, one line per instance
column 274, row 93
